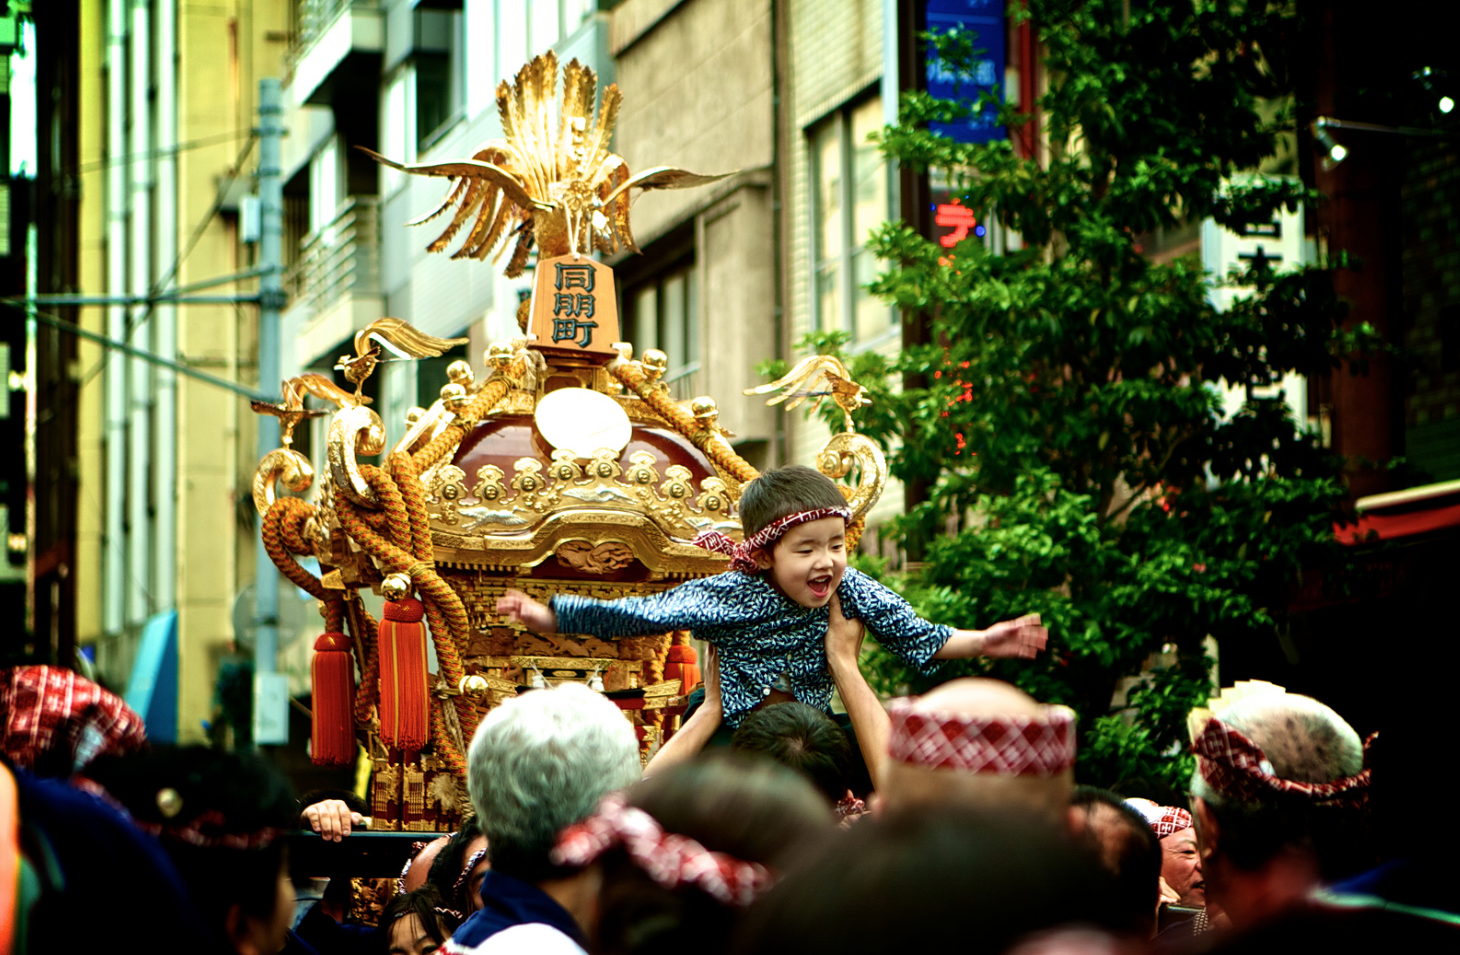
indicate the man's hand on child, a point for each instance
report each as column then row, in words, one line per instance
column 1022, row 638
column 517, row 607
column 711, row 675
column 843, row 636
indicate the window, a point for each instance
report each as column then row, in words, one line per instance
column 663, row 313
column 438, row 73
column 324, row 188
column 849, row 200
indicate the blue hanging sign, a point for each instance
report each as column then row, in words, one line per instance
column 986, row 19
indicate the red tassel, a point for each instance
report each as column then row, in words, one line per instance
column 404, row 706
column 332, row 736
column 683, row 665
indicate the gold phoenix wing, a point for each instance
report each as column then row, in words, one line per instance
column 290, row 411
column 396, row 335
column 326, row 390
column 403, row 339
column 797, row 384
column 551, row 180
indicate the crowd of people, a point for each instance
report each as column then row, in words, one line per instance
column 764, row 824
column 976, row 836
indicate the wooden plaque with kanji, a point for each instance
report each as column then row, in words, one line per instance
column 574, row 308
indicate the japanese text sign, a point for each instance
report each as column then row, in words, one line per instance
column 574, row 309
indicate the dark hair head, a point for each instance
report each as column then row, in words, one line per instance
column 750, row 809
column 445, row 869
column 787, row 490
column 425, row 904
column 1128, row 849
column 240, row 794
column 803, row 738
column 942, row 880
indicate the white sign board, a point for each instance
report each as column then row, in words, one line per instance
column 1279, row 242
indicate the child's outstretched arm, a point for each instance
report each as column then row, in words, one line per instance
column 519, row 608
column 689, row 606
column 1022, row 638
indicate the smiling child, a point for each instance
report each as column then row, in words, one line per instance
column 768, row 616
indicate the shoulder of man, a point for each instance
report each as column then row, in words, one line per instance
column 532, row 938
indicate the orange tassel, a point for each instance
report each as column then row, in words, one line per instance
column 404, row 706
column 332, row 671
column 683, row 665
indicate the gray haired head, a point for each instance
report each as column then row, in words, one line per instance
column 540, row 762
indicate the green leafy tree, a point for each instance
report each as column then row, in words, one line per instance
column 1070, row 429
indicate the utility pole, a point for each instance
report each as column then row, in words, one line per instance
column 271, row 689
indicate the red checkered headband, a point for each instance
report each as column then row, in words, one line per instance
column 1163, row 820
column 670, row 860
column 742, row 554
column 999, row 745
column 47, row 708
column 1235, row 766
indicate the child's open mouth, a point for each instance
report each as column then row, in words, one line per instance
column 819, row 586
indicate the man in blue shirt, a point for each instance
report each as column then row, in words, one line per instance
column 538, row 763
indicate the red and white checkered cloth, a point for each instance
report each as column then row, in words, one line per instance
column 1235, row 766
column 1163, row 820
column 998, row 745
column 669, row 859
column 742, row 555
column 46, row 707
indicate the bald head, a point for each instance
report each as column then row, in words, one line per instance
column 915, row 786
column 973, row 696
column 415, row 876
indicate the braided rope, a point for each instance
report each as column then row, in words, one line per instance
column 282, row 538
column 458, row 625
column 282, row 533
column 444, row 610
column 397, row 519
column 365, row 628
column 480, row 406
column 403, row 471
column 293, row 529
column 634, row 377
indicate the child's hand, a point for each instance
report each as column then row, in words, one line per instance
column 1022, row 638
column 517, row 607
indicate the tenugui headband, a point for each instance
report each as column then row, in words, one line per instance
column 400, row 880
column 742, row 556
column 43, row 709
column 206, row 831
column 1173, row 820
column 999, row 745
column 461, row 880
column 670, row 860
column 1235, row 766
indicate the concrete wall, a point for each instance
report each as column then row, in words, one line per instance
column 222, row 52
column 698, row 85
column 91, row 274
column 833, row 58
